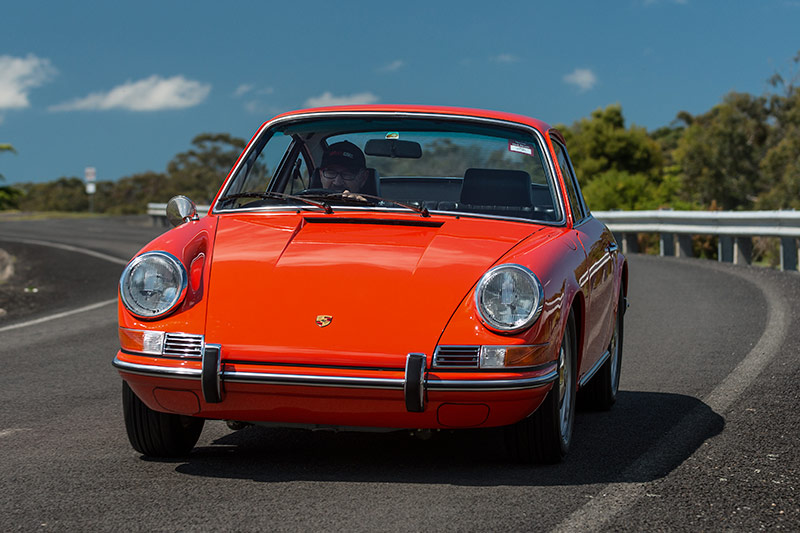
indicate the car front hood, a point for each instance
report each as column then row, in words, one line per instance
column 388, row 284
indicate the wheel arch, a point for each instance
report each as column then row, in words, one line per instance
column 624, row 278
column 577, row 308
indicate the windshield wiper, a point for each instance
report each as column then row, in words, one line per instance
column 325, row 206
column 423, row 211
column 360, row 197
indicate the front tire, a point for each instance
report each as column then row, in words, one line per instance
column 158, row 434
column 545, row 436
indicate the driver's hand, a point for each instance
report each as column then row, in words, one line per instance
column 353, row 195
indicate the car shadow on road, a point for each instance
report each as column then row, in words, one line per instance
column 644, row 437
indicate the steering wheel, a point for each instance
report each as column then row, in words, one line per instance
column 315, row 190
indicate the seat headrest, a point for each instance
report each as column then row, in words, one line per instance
column 483, row 186
column 371, row 185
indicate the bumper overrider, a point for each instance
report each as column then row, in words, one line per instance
column 215, row 377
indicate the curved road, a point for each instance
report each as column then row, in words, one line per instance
column 705, row 434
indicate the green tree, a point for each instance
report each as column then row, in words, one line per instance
column 130, row 195
column 63, row 194
column 668, row 137
column 617, row 189
column 602, row 143
column 780, row 166
column 720, row 151
column 199, row 172
column 618, row 167
column 8, row 195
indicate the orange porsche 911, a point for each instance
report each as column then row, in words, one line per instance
column 378, row 268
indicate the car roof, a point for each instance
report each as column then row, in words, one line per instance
column 543, row 127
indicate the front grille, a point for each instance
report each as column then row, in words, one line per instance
column 456, row 356
column 183, row 345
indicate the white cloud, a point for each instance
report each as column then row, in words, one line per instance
column 254, row 106
column 257, row 107
column 505, row 58
column 394, row 66
column 243, row 89
column 150, row 94
column 328, row 99
column 18, row 75
column 249, row 88
column 583, row 78
column 253, row 103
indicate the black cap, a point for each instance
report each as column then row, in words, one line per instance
column 346, row 154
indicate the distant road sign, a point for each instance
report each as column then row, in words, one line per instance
column 90, row 173
column 91, row 187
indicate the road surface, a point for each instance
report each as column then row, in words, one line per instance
column 705, row 434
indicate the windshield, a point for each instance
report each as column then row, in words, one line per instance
column 434, row 165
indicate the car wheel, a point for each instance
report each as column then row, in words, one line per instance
column 158, row 434
column 545, row 436
column 601, row 392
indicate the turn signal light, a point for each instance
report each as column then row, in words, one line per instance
column 134, row 340
column 513, row 356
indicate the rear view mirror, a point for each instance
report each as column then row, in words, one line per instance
column 393, row 148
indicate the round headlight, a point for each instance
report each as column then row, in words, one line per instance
column 153, row 284
column 509, row 298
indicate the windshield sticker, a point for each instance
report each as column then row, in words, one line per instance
column 393, row 135
column 522, row 148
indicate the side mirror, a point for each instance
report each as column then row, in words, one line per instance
column 181, row 210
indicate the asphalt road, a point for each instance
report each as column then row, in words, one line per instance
column 705, row 434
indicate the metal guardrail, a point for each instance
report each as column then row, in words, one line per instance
column 735, row 230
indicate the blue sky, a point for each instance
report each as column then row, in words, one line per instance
column 124, row 86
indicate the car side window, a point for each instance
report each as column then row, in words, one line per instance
column 576, row 204
column 259, row 170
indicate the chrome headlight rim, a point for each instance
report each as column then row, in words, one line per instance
column 183, row 284
column 498, row 327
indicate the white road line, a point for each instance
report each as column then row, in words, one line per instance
column 614, row 498
column 69, row 248
column 58, row 315
column 7, row 432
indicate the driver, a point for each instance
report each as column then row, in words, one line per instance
column 343, row 168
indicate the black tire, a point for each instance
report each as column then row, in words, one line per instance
column 158, row 434
column 545, row 436
column 601, row 392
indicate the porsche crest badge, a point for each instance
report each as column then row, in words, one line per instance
column 324, row 320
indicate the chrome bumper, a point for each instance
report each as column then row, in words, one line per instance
column 416, row 381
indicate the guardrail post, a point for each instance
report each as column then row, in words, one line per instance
column 725, row 249
column 667, row 245
column 742, row 251
column 685, row 245
column 788, row 253
column 630, row 243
